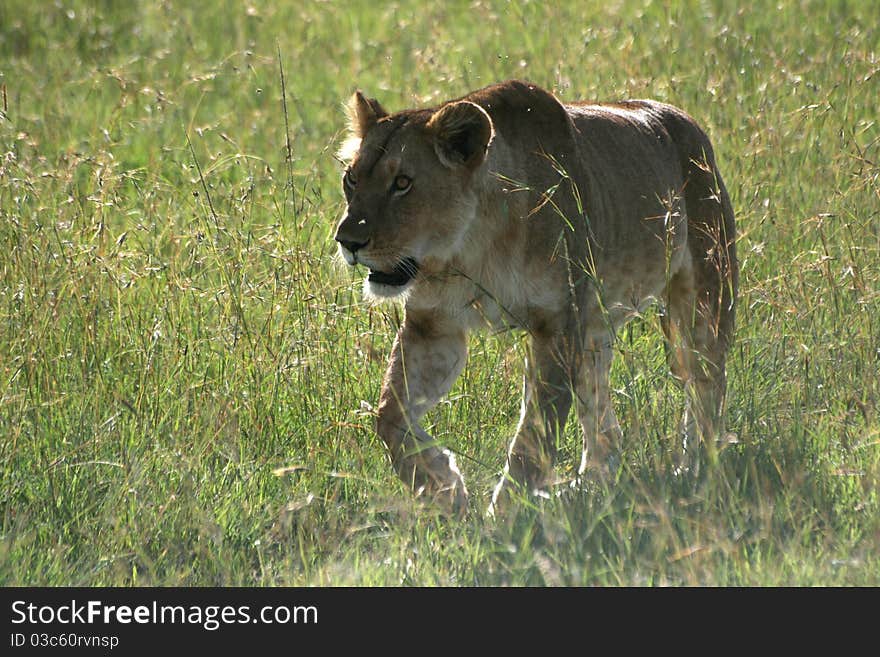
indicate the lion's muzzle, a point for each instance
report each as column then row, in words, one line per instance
column 402, row 274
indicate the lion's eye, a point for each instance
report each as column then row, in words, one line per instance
column 402, row 184
column 349, row 180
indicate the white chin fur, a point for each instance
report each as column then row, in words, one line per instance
column 382, row 292
column 347, row 255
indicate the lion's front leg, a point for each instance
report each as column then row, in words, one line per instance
column 424, row 364
column 546, row 402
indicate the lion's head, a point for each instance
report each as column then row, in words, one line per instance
column 410, row 186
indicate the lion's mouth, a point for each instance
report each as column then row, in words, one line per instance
column 402, row 274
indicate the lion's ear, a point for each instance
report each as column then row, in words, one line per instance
column 363, row 113
column 462, row 132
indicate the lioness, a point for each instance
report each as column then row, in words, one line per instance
column 509, row 208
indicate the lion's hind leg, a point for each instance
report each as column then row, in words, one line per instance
column 698, row 324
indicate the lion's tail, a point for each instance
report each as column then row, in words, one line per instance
column 711, row 223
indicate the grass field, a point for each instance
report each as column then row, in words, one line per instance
column 184, row 368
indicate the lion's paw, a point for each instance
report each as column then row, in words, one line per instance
column 434, row 476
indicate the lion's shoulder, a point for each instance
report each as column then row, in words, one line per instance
column 522, row 111
column 516, row 97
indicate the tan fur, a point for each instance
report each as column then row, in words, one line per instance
column 560, row 220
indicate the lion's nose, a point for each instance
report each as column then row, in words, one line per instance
column 352, row 247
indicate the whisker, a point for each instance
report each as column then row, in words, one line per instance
column 409, row 267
